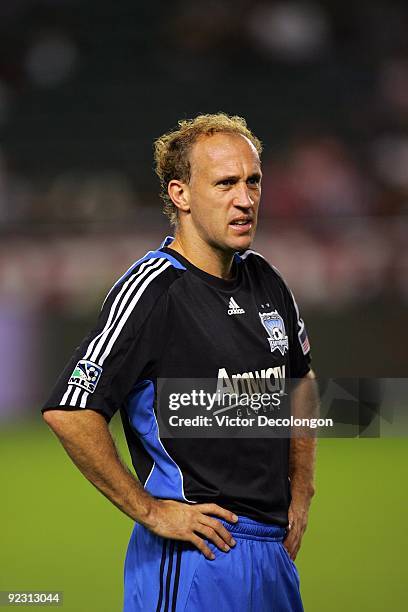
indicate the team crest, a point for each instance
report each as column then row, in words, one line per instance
column 275, row 327
column 86, row 375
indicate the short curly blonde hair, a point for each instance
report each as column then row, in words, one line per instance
column 172, row 150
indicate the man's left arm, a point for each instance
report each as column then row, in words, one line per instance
column 302, row 454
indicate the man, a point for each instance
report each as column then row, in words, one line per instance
column 211, row 514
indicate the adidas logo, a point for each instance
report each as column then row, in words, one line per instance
column 233, row 308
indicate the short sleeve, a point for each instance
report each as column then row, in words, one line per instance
column 117, row 353
column 299, row 345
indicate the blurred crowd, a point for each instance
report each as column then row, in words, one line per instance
column 324, row 84
column 85, row 87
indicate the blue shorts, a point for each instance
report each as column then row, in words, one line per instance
column 257, row 574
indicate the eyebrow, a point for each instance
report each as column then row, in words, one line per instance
column 233, row 177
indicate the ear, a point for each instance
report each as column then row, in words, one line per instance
column 179, row 193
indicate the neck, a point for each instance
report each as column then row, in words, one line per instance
column 202, row 255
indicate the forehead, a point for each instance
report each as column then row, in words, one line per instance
column 223, row 153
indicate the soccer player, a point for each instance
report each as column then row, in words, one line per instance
column 218, row 522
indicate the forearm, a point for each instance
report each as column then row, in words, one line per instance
column 301, row 471
column 302, row 454
column 86, row 438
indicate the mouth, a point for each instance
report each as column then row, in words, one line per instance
column 241, row 225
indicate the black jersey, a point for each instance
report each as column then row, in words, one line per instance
column 166, row 318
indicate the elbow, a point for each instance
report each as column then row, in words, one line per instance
column 55, row 419
column 50, row 419
column 49, row 416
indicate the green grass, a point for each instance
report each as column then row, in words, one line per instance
column 58, row 533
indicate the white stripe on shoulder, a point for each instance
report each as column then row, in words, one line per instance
column 75, row 396
column 120, row 321
column 296, row 307
column 66, row 395
column 250, row 252
column 116, row 322
column 126, row 273
column 120, row 324
column 121, row 300
column 84, row 399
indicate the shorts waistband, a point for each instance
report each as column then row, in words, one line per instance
column 253, row 530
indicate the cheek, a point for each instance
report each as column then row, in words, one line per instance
column 214, row 220
column 210, row 212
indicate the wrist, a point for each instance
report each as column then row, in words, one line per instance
column 147, row 514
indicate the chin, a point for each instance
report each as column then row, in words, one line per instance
column 242, row 243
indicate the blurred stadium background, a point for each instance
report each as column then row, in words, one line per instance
column 85, row 87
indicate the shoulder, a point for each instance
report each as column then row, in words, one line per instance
column 152, row 266
column 256, row 261
column 142, row 285
column 258, row 265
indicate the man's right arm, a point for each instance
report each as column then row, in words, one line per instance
column 86, row 438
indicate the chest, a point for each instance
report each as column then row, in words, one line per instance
column 207, row 329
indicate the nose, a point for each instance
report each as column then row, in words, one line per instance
column 242, row 196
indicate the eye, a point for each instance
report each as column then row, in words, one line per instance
column 227, row 182
column 254, row 180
